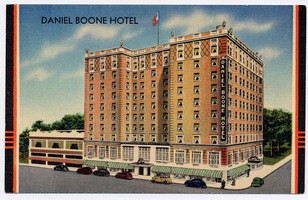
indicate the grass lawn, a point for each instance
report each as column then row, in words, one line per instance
column 284, row 152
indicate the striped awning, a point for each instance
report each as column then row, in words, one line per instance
column 119, row 165
column 238, row 170
column 187, row 171
column 161, row 169
column 95, row 163
column 197, row 172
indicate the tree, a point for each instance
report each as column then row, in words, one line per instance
column 24, row 143
column 40, row 125
column 277, row 128
column 69, row 122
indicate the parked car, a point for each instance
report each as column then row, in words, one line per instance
column 199, row 183
column 161, row 179
column 257, row 182
column 124, row 175
column 84, row 170
column 101, row 172
column 61, row 167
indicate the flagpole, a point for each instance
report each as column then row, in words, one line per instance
column 158, row 28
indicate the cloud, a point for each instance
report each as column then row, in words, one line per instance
column 201, row 20
column 72, row 75
column 253, row 26
column 49, row 52
column 97, row 32
column 205, row 21
column 270, row 52
column 38, row 75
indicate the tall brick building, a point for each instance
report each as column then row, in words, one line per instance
column 190, row 108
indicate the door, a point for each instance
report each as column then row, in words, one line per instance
column 141, row 170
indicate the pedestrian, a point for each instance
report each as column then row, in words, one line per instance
column 233, row 182
column 223, row 184
column 248, row 171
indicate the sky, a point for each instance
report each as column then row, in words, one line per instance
column 51, row 71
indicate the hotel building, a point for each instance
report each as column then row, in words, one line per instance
column 190, row 108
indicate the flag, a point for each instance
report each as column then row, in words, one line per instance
column 155, row 19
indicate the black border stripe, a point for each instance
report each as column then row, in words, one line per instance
column 301, row 95
column 9, row 96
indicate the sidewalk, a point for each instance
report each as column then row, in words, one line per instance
column 244, row 182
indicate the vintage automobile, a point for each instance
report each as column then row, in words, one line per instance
column 161, row 179
column 199, row 183
column 61, row 167
column 101, row 172
column 84, row 170
column 124, row 175
column 257, row 182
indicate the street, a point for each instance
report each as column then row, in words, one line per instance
column 42, row 180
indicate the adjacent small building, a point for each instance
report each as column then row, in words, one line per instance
column 50, row 148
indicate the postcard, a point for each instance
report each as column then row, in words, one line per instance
column 164, row 99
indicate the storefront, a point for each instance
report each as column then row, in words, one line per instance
column 237, row 172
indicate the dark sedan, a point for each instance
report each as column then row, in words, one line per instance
column 195, row 183
column 101, row 172
column 85, row 170
column 124, row 175
column 62, row 168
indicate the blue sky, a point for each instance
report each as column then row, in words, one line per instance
column 52, row 56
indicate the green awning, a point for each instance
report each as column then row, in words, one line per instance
column 161, row 169
column 196, row 172
column 119, row 165
column 238, row 170
column 95, row 163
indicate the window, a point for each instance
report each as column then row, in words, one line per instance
column 196, row 89
column 127, row 127
column 128, row 153
column 165, row 138
column 91, row 78
column 196, row 157
column 180, row 78
column 214, row 101
column 165, row 116
column 153, row 138
column 165, row 104
column 141, row 138
column 114, row 74
column 214, row 49
column 214, row 87
column 179, row 156
column 153, row 106
column 180, row 66
column 196, row 139
column 141, row 127
column 114, row 85
column 153, row 73
column 165, row 82
column 165, row 93
column 180, row 115
column 91, row 152
column 91, row 87
column 236, row 156
column 141, row 117
column 162, row 154
column 196, row 127
column 102, row 127
column 153, row 84
column 214, row 61
column 180, row 54
column 144, row 153
column 113, row 106
column 214, row 139
column 214, row 158
column 196, row 51
column 214, row 113
column 141, row 85
column 114, row 95
column 214, row 127
column 102, row 76
column 102, row 117
column 91, row 127
column 165, row 71
column 141, row 95
column 196, row 102
column 153, row 128
column 196, row 77
column 196, row 114
column 113, row 153
column 135, row 86
column 165, row 127
column 180, row 90
column 180, row 103
column 214, row 75
column 134, row 127
column 101, row 152
column 91, row 117
column 180, row 128
column 134, row 137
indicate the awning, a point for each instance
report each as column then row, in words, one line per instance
column 161, row 169
column 119, row 165
column 238, row 170
column 106, row 164
column 96, row 163
column 197, row 172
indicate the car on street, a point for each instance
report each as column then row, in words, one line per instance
column 61, row 167
column 124, row 175
column 84, row 170
column 101, row 172
column 161, row 179
column 198, row 183
column 257, row 182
